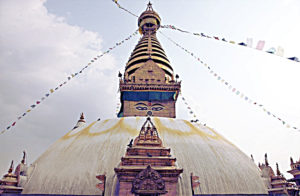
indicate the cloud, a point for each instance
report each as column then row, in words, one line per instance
column 38, row 51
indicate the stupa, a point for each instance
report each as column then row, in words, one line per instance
column 146, row 150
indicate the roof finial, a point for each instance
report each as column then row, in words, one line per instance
column 81, row 118
column 266, row 160
column 277, row 170
column 292, row 161
column 24, row 157
column 149, row 7
column 80, row 122
column 11, row 168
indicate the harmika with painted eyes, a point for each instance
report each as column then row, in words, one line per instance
column 154, row 107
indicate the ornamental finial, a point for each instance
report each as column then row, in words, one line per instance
column 11, row 168
column 24, row 157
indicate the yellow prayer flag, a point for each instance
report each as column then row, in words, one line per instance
column 51, row 90
column 28, row 111
column 232, row 42
column 288, row 126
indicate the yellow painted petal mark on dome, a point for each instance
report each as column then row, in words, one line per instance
column 191, row 131
column 119, row 127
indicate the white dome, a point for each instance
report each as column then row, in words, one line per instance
column 71, row 164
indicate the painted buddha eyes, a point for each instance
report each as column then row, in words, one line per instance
column 141, row 108
column 157, row 108
column 154, row 107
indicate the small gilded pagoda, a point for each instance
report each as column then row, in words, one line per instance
column 146, row 151
column 148, row 167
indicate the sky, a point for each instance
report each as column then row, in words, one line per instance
column 43, row 42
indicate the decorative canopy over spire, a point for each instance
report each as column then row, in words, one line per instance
column 149, row 21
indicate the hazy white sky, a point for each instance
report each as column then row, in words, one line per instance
column 43, row 42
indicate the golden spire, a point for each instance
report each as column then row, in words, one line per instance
column 148, row 47
column 148, row 87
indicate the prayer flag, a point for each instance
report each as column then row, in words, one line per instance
column 294, row 59
column 13, row 124
column 69, row 78
column 38, row 102
column 280, row 51
column 2, row 131
column 242, row 44
column 19, row 117
column 33, row 106
column 260, row 45
column 271, row 50
column 24, row 114
column 232, row 42
column 7, row 127
column 249, row 42
column 73, row 75
column 56, row 88
column 43, row 98
column 28, row 111
column 224, row 40
column 47, row 94
column 216, row 38
column 51, row 90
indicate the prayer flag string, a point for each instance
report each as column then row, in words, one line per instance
column 189, row 109
column 53, row 90
column 119, row 6
column 233, row 89
column 260, row 44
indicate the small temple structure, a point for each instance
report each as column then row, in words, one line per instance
column 160, row 175
column 13, row 181
column 277, row 184
column 146, row 151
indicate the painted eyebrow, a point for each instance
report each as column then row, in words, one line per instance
column 140, row 104
column 157, row 104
